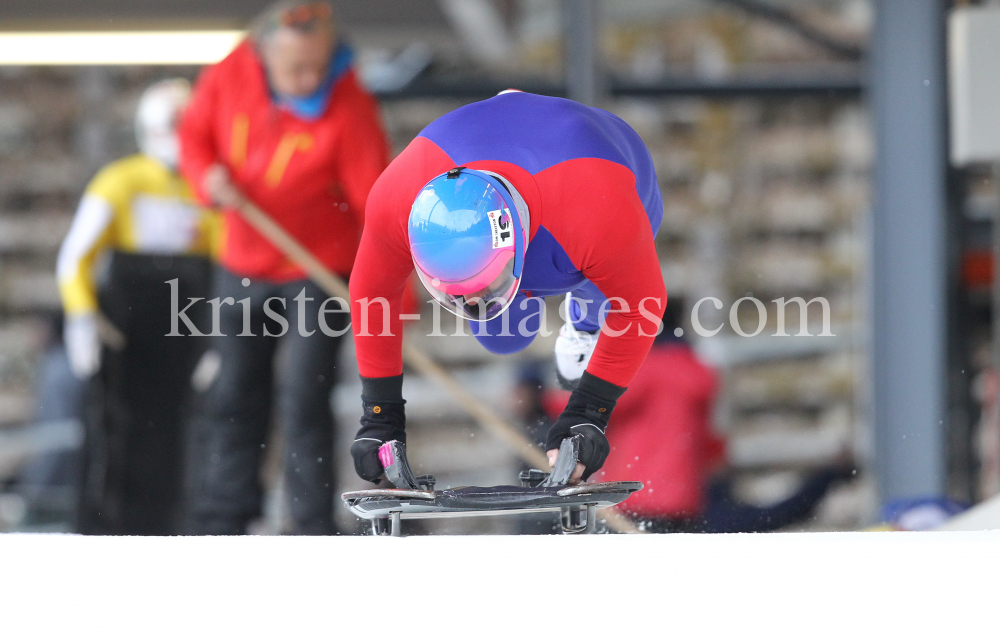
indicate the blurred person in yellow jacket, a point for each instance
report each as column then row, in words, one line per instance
column 138, row 242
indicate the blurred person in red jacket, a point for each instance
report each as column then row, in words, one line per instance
column 661, row 434
column 284, row 122
column 661, row 431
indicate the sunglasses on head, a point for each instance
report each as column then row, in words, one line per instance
column 305, row 14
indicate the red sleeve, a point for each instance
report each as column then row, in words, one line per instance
column 364, row 152
column 591, row 207
column 197, row 138
column 383, row 263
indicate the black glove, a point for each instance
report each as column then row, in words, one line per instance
column 384, row 420
column 586, row 416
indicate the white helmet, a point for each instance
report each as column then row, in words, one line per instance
column 156, row 120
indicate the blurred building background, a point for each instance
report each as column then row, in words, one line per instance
column 761, row 116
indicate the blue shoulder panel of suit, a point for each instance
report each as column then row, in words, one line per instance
column 536, row 132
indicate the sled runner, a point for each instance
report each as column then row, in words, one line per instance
column 415, row 496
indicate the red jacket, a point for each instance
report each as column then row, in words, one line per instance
column 312, row 177
column 660, row 433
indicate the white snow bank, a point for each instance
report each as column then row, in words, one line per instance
column 985, row 515
column 764, row 583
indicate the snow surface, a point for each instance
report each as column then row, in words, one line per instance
column 743, row 583
column 985, row 515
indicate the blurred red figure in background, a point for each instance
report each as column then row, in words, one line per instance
column 283, row 122
column 661, row 434
column 308, row 158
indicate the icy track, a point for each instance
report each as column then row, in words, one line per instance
column 766, row 583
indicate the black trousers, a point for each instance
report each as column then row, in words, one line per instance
column 135, row 407
column 238, row 405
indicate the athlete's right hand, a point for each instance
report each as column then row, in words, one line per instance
column 83, row 345
column 384, row 419
column 220, row 188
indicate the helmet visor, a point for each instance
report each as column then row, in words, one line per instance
column 480, row 305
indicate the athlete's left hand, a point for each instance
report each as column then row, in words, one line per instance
column 594, row 448
column 585, row 417
column 577, row 473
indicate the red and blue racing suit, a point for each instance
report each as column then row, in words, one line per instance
column 595, row 207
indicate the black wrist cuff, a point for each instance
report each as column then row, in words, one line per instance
column 382, row 389
column 596, row 387
column 593, row 399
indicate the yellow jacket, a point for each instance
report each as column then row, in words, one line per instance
column 134, row 205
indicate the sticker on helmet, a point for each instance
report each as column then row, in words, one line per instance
column 502, row 227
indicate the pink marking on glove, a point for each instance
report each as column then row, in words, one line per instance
column 385, row 454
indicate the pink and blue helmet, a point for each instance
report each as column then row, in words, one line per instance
column 467, row 243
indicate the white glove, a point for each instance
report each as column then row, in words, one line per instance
column 573, row 351
column 83, row 346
